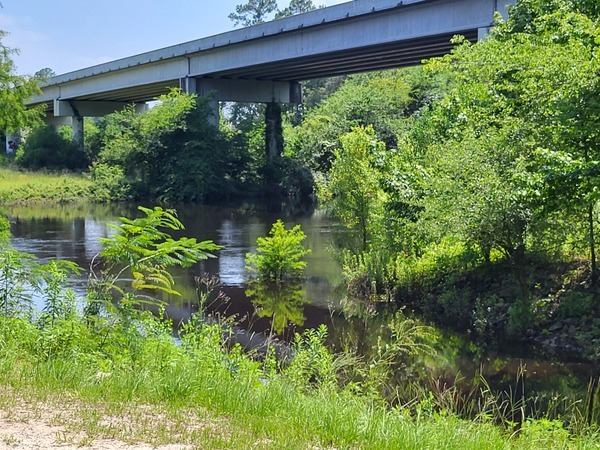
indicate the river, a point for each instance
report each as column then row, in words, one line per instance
column 72, row 231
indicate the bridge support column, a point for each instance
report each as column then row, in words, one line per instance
column 191, row 86
column 273, row 131
column 77, row 127
column 77, row 110
column 215, row 117
column 273, row 93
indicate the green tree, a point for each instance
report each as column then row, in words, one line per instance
column 44, row 74
column 353, row 191
column 170, row 152
column 14, row 91
column 568, row 118
column 253, row 12
column 318, row 90
column 48, row 148
column 279, row 255
column 296, row 7
column 509, row 146
column 379, row 99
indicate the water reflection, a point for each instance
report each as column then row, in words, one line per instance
column 60, row 232
column 71, row 232
column 283, row 303
column 457, row 362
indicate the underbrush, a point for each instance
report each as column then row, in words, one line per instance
column 451, row 285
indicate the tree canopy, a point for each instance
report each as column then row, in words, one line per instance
column 14, row 91
column 258, row 11
column 253, row 12
column 296, row 7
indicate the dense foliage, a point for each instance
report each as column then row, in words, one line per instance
column 381, row 100
column 48, row 148
column 484, row 160
column 170, row 152
column 14, row 90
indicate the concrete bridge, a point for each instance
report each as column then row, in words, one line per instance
column 266, row 62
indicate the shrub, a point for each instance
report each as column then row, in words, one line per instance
column 520, row 318
column 46, row 148
column 279, row 255
column 109, row 183
column 171, row 152
column 287, row 178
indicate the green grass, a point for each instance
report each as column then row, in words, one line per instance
column 18, row 187
column 138, row 386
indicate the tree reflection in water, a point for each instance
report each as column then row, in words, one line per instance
column 283, row 302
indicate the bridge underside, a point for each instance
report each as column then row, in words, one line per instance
column 265, row 63
column 407, row 53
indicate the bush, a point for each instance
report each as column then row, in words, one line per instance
column 171, row 153
column 110, row 183
column 46, row 148
column 287, row 178
column 576, row 304
column 279, row 255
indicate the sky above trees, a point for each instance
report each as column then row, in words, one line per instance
column 67, row 35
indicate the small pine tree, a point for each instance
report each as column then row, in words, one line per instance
column 279, row 256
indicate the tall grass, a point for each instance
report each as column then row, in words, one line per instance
column 111, row 372
column 25, row 187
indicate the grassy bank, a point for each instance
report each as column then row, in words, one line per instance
column 204, row 395
column 17, row 187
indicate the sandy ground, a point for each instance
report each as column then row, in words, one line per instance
column 40, row 425
column 40, row 435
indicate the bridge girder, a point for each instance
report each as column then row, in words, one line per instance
column 357, row 36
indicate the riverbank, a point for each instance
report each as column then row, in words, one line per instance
column 115, row 360
column 558, row 319
column 105, row 385
column 22, row 187
column 31, row 423
column 67, row 423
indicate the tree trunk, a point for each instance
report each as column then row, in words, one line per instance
column 593, row 265
column 515, row 249
column 520, row 270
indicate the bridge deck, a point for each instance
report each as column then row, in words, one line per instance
column 358, row 36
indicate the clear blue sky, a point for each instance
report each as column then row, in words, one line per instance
column 67, row 35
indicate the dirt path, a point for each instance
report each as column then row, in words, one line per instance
column 67, row 425
column 40, row 435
